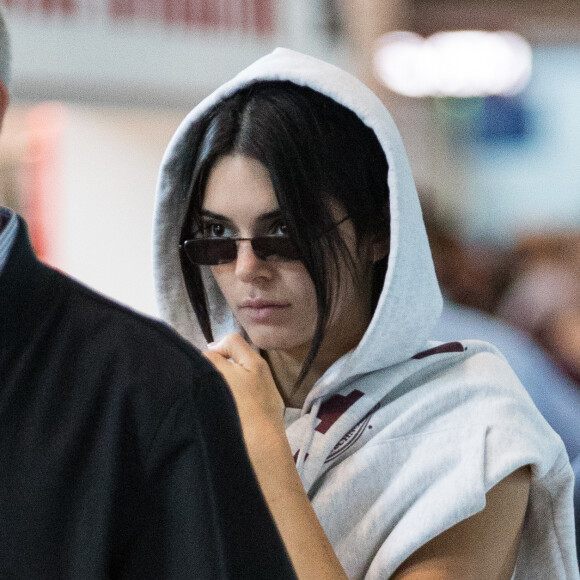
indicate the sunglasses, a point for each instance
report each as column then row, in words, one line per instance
column 215, row 251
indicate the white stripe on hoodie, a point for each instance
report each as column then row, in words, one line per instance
column 392, row 448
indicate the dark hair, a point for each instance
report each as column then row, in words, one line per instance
column 315, row 151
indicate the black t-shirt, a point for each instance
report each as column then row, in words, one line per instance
column 121, row 453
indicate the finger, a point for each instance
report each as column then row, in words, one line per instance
column 217, row 359
column 234, row 347
column 228, row 370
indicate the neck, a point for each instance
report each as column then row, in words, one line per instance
column 286, row 366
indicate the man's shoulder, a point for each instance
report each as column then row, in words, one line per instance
column 99, row 319
column 139, row 365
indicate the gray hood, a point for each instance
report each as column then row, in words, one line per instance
column 410, row 302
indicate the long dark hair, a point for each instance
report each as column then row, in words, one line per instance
column 316, row 151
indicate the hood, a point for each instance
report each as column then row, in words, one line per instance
column 410, row 302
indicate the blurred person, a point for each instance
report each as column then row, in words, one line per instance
column 120, row 448
column 289, row 236
column 473, row 275
column 460, row 320
column 543, row 296
column 561, row 336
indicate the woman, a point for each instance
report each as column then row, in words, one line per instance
column 289, row 236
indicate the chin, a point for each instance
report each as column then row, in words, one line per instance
column 276, row 339
column 265, row 341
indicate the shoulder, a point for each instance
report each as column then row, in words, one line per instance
column 148, row 374
column 123, row 355
column 93, row 316
column 458, row 407
column 468, row 376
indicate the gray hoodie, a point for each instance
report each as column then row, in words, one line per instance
column 401, row 438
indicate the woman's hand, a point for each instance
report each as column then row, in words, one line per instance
column 261, row 412
column 248, row 375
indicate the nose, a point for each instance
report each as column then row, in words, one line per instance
column 248, row 265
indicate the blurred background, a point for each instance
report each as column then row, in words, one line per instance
column 99, row 86
column 485, row 94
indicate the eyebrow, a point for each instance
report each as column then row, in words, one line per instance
column 261, row 218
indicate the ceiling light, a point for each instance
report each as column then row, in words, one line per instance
column 466, row 63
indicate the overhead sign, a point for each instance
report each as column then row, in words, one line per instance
column 249, row 15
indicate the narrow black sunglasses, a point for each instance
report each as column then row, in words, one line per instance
column 214, row 251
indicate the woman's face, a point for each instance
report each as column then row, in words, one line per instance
column 274, row 301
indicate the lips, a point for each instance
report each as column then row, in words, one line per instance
column 259, row 310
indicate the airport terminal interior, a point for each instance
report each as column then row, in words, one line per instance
column 485, row 97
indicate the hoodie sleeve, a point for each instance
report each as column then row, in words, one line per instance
column 464, row 425
column 493, row 429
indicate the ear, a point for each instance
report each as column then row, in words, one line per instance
column 380, row 247
column 4, row 100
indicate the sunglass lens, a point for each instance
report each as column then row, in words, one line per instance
column 210, row 252
column 275, row 248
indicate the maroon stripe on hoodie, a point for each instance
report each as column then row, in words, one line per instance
column 441, row 349
column 334, row 408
